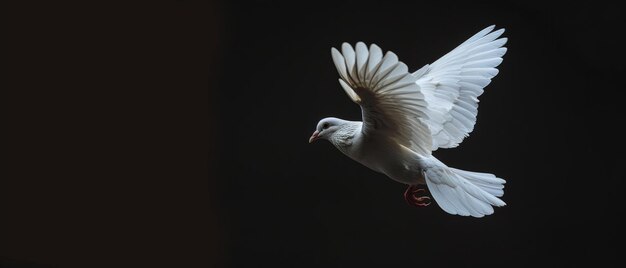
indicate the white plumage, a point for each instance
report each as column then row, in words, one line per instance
column 407, row 115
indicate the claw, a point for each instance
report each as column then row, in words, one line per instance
column 417, row 196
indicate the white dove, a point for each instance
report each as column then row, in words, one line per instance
column 406, row 116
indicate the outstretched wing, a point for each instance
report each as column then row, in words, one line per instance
column 451, row 86
column 391, row 101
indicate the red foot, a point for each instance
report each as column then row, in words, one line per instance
column 417, row 196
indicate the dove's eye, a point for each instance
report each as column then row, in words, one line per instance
column 325, row 126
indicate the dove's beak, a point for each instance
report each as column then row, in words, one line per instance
column 314, row 137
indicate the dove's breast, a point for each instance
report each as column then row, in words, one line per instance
column 386, row 156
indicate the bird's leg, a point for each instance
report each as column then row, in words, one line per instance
column 417, row 195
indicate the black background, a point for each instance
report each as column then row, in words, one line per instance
column 177, row 136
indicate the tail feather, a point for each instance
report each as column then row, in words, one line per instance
column 465, row 193
column 486, row 181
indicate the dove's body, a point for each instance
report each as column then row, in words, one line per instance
column 406, row 116
column 380, row 153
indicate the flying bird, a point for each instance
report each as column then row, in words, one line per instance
column 407, row 116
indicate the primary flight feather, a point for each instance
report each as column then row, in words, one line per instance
column 407, row 115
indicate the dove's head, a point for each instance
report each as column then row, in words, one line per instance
column 326, row 128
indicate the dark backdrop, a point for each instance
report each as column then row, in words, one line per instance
column 112, row 165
